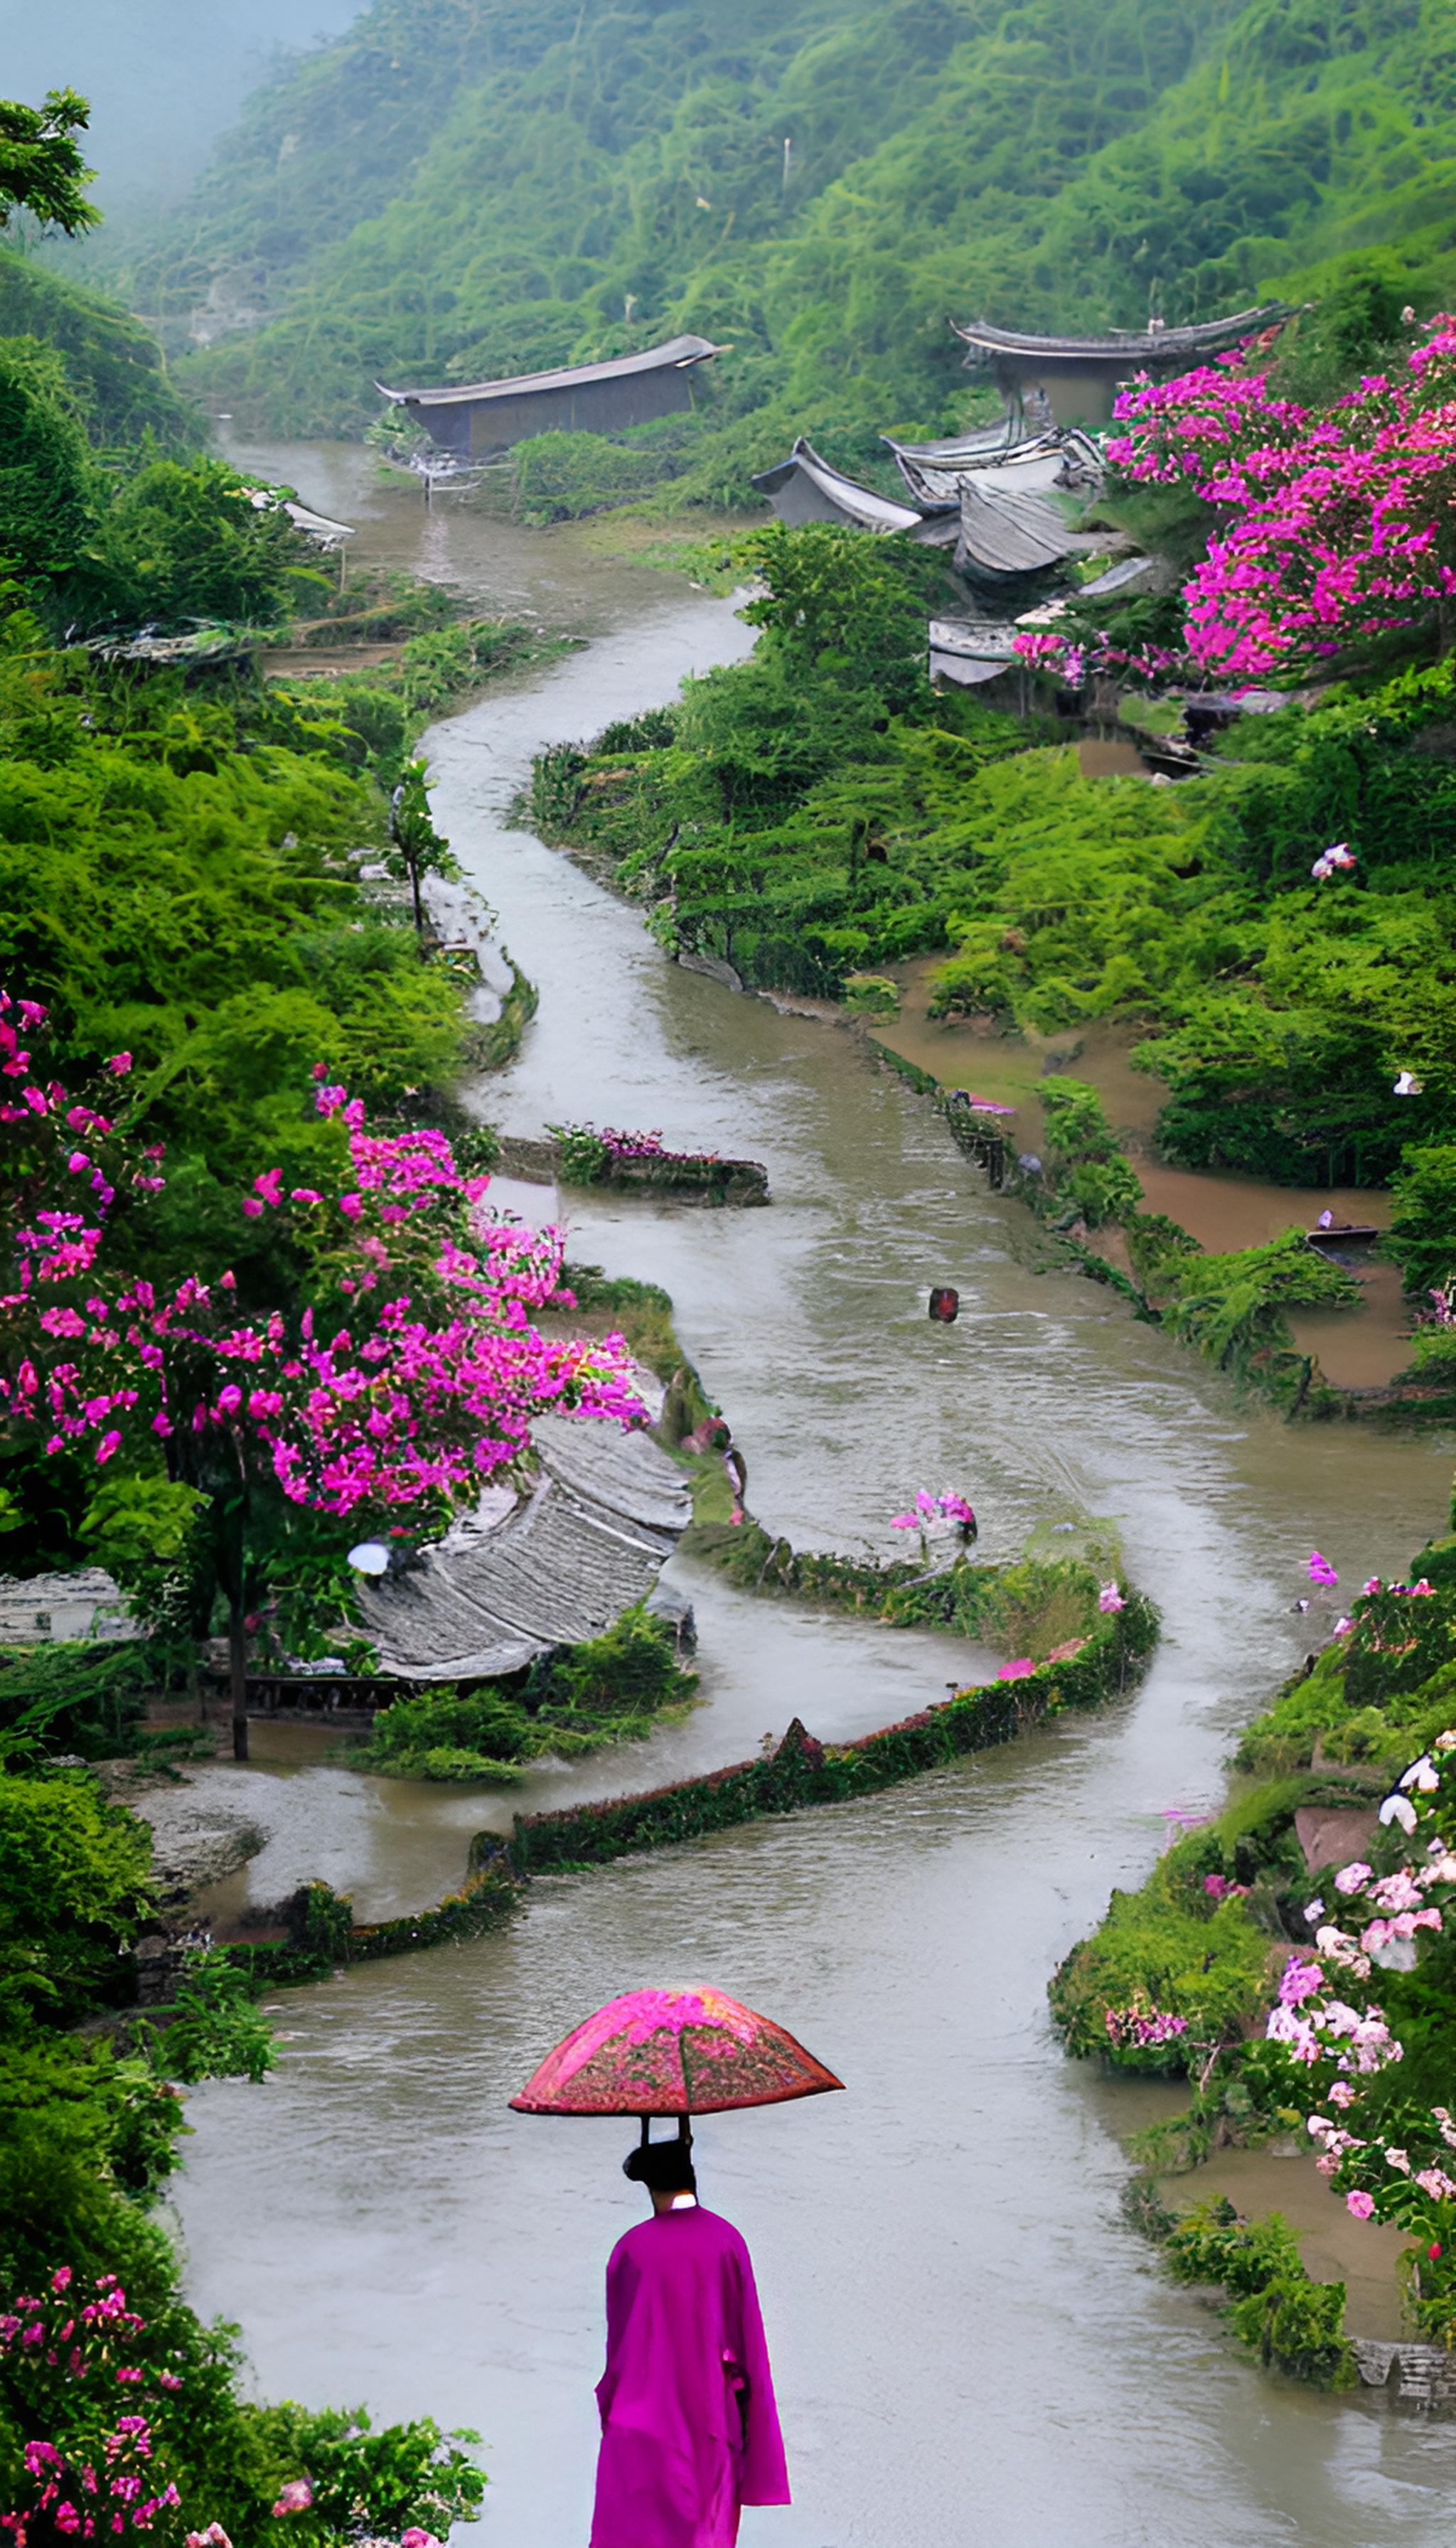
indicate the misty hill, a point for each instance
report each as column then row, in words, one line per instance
column 456, row 189
column 114, row 368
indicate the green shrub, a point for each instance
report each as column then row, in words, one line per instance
column 1036, row 1606
column 1232, row 1306
column 631, row 1669
column 872, row 995
column 559, row 476
column 568, row 1701
column 1175, row 1947
column 1293, row 2323
column 214, row 2031
column 1422, row 1227
column 75, row 1883
column 67, row 1696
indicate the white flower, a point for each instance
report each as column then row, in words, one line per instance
column 1399, row 1809
column 1423, row 1775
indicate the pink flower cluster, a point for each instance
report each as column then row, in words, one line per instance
column 929, row 1512
column 1381, row 2178
column 1135, row 2029
column 426, row 1384
column 1341, row 524
column 1045, row 651
column 64, row 2352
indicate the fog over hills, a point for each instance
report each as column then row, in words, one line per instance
column 164, row 76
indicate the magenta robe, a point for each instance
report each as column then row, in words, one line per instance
column 689, row 2431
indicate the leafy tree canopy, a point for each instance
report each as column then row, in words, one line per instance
column 41, row 168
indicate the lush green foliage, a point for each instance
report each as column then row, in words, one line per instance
column 1291, row 2321
column 1422, row 1236
column 74, row 1883
column 45, row 490
column 807, row 818
column 89, row 2122
column 63, row 1697
column 114, row 367
column 182, row 542
column 43, row 169
column 568, row 1703
column 1182, row 1951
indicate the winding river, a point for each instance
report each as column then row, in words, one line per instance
column 969, row 2346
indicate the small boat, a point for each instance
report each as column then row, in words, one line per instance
column 1328, row 1233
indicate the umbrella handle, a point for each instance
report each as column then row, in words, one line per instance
column 684, row 2129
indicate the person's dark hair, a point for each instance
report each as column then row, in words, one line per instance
column 664, row 2167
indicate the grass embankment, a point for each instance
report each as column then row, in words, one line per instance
column 1180, row 1977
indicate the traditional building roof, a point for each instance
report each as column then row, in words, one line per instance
column 481, row 418
column 678, row 354
column 805, row 489
column 587, row 1540
column 936, row 472
column 1004, row 533
column 930, row 468
column 969, row 652
column 1147, row 348
column 1129, row 575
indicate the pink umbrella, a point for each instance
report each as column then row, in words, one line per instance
column 673, row 2053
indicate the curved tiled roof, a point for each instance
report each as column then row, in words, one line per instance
column 601, row 1517
column 1016, row 535
column 1131, row 345
column 859, row 505
column 680, row 353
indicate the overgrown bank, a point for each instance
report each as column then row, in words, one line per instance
column 817, row 812
column 1292, row 1958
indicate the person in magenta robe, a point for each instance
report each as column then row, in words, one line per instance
column 689, row 2431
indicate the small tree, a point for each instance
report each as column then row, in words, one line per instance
column 420, row 849
column 843, row 605
column 196, row 541
column 401, row 1371
column 41, row 166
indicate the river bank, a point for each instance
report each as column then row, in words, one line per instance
column 979, row 2326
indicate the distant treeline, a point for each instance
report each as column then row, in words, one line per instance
column 457, row 189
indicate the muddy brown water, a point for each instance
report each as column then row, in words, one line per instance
column 969, row 2346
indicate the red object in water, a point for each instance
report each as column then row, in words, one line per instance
column 945, row 1305
column 673, row 2053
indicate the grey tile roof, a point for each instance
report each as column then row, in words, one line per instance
column 601, row 1519
column 679, row 351
column 805, row 475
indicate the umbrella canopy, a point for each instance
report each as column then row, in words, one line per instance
column 673, row 2053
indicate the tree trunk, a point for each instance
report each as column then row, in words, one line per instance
column 415, row 890
column 237, row 1677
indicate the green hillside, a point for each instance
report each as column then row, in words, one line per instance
column 114, row 368
column 457, row 189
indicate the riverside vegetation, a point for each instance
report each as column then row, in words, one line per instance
column 1316, row 2001
column 1273, row 931
column 193, row 953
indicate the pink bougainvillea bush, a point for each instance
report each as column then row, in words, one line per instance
column 1329, row 529
column 108, row 2429
column 403, row 1369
